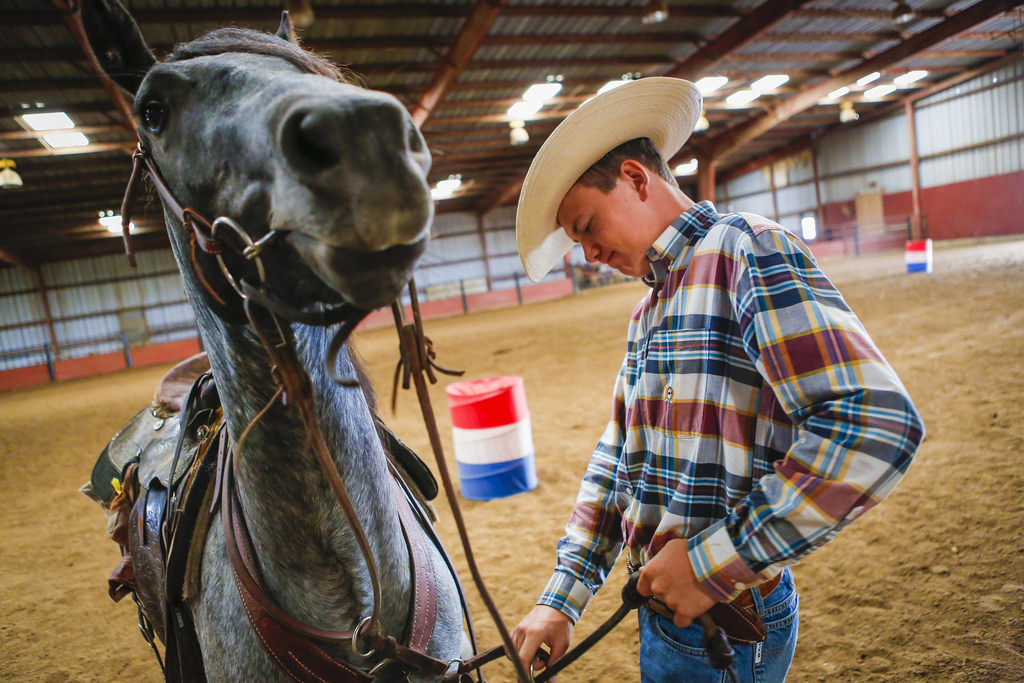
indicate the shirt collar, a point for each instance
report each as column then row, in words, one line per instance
column 680, row 235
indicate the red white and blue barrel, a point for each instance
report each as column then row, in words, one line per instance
column 492, row 437
column 919, row 256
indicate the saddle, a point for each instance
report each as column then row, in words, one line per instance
column 157, row 479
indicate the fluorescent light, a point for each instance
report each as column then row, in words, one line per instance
column 75, row 139
column 871, row 77
column 742, row 97
column 541, row 92
column 611, row 85
column 770, row 82
column 113, row 223
column 880, row 91
column 689, row 168
column 445, row 188
column 910, row 77
column 523, row 109
column 710, row 84
column 56, row 120
column 838, row 92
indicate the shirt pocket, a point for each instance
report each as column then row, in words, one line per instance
column 675, row 379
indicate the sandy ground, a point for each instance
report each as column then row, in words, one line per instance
column 928, row 586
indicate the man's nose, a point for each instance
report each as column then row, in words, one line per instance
column 590, row 251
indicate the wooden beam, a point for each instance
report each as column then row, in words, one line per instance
column 36, row 134
column 808, row 97
column 502, row 198
column 347, row 12
column 461, row 51
column 16, row 259
column 91, row 148
column 739, row 34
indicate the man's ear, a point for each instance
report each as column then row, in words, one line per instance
column 117, row 42
column 637, row 176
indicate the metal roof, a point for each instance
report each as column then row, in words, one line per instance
column 459, row 64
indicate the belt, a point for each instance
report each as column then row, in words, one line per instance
column 738, row 618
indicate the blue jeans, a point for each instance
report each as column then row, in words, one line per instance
column 669, row 653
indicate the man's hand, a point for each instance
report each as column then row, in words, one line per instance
column 542, row 626
column 669, row 577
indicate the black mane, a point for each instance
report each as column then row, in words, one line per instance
column 226, row 40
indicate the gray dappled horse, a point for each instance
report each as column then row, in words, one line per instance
column 249, row 126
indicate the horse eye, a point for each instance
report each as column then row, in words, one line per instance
column 154, row 116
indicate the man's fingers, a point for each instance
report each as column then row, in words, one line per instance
column 643, row 584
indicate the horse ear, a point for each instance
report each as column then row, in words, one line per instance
column 286, row 31
column 117, row 42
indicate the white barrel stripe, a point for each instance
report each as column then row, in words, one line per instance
column 493, row 444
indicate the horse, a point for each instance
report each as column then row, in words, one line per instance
column 326, row 181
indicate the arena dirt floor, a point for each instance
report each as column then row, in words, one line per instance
column 928, row 586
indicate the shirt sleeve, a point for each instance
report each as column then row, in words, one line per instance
column 857, row 429
column 594, row 532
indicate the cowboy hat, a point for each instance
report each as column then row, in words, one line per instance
column 662, row 109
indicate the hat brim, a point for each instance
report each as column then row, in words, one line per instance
column 662, row 109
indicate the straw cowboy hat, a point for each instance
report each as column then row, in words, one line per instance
column 662, row 109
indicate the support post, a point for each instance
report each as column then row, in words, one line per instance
column 483, row 247
column 819, row 214
column 706, row 179
column 915, row 174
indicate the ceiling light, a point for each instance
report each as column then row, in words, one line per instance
column 903, row 13
column 518, row 134
column 742, row 97
column 654, row 12
column 56, row 120
column 445, row 188
column 770, row 82
column 880, row 91
column 112, row 222
column 541, row 92
column 838, row 92
column 8, row 176
column 710, row 84
column 873, row 76
column 847, row 113
column 522, row 109
column 702, row 122
column 689, row 168
column 910, row 77
column 74, row 139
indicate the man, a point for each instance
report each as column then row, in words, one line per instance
column 753, row 417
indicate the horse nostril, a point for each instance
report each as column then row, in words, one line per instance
column 312, row 140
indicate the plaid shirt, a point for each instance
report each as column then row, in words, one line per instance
column 752, row 415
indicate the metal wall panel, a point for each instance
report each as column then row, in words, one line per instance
column 872, row 144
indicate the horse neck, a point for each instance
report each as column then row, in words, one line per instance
column 308, row 554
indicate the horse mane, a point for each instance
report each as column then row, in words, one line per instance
column 226, row 40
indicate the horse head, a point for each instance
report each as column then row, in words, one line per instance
column 249, row 126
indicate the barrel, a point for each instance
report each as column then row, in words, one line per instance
column 919, row 256
column 492, row 437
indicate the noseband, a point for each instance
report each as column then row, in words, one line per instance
column 209, row 237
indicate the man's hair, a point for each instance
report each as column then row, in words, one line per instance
column 605, row 172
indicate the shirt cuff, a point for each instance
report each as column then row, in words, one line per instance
column 567, row 594
column 718, row 566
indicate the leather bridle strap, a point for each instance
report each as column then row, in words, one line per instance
column 417, row 358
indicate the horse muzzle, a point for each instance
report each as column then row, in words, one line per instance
column 367, row 279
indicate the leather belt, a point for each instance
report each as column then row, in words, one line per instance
column 739, row 618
